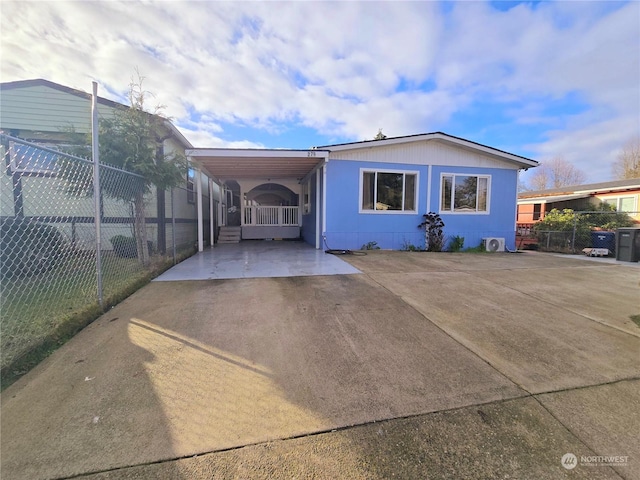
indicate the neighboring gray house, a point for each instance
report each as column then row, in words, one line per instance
column 43, row 112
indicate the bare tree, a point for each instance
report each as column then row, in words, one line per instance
column 628, row 163
column 556, row 173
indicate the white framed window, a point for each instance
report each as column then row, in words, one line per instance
column 623, row 204
column 191, row 185
column 306, row 197
column 388, row 191
column 28, row 159
column 462, row 193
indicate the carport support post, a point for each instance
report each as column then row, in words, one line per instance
column 173, row 228
column 199, row 209
column 95, row 153
column 324, row 198
column 211, row 214
column 318, row 196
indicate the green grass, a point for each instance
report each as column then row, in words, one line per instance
column 42, row 312
column 635, row 319
column 477, row 249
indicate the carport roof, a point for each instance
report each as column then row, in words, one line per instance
column 234, row 163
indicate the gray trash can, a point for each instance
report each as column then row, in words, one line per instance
column 628, row 244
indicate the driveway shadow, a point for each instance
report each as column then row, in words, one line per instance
column 91, row 406
column 187, row 368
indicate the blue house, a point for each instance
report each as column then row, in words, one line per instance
column 346, row 195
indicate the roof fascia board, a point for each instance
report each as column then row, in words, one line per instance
column 255, row 152
column 177, row 134
column 610, row 189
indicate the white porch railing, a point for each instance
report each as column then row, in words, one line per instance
column 273, row 216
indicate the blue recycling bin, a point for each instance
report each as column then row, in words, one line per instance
column 604, row 240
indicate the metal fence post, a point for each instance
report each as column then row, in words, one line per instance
column 95, row 153
column 173, row 229
column 573, row 236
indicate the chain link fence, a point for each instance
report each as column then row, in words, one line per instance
column 585, row 232
column 62, row 261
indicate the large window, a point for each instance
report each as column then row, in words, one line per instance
column 41, row 159
column 465, row 193
column 191, row 185
column 623, row 204
column 388, row 191
column 28, row 159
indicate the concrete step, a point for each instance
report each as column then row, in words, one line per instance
column 229, row 234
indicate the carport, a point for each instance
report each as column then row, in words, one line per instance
column 258, row 259
column 251, row 169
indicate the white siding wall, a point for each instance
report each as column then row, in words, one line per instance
column 428, row 152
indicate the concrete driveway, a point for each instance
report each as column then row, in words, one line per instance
column 424, row 366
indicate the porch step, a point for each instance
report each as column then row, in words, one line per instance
column 229, row 234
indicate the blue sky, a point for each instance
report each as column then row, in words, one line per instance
column 539, row 79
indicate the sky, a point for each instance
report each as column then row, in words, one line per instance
column 537, row 79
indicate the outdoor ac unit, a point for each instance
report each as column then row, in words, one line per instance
column 494, row 244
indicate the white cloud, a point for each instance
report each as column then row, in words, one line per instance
column 336, row 66
column 204, row 138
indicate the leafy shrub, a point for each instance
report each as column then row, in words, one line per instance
column 434, row 236
column 29, row 248
column 456, row 244
column 370, row 246
column 604, row 217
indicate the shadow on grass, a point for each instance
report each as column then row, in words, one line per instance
column 46, row 311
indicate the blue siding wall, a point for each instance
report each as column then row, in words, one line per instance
column 500, row 222
column 348, row 229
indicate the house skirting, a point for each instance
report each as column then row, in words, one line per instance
column 260, row 232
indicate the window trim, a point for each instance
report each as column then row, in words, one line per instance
column 442, row 211
column 416, row 195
